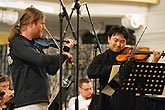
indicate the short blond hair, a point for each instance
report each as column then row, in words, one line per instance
column 84, row 80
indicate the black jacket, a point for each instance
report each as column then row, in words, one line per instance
column 101, row 67
column 29, row 69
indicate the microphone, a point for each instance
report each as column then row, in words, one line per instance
column 67, row 81
column 74, row 45
column 75, row 4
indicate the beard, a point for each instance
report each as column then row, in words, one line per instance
column 38, row 35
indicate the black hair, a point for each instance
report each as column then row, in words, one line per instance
column 117, row 29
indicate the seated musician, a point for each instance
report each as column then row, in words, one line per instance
column 85, row 96
column 101, row 65
column 5, row 93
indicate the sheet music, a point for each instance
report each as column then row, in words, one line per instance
column 163, row 91
column 114, row 71
column 108, row 90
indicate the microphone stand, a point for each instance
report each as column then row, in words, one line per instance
column 96, row 46
column 77, row 7
column 66, row 27
column 68, row 20
column 61, row 16
column 61, row 39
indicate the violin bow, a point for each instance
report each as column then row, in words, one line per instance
column 52, row 37
column 133, row 51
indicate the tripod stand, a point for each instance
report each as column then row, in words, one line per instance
column 61, row 16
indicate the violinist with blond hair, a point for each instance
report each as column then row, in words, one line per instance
column 29, row 67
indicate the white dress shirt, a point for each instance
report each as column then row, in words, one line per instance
column 83, row 103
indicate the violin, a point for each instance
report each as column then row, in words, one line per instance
column 45, row 43
column 141, row 54
column 130, row 54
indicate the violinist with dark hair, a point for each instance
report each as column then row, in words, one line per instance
column 6, row 95
column 102, row 64
column 29, row 66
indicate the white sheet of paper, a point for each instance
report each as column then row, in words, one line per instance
column 108, row 90
column 114, row 71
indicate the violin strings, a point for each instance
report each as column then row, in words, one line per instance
column 52, row 37
column 133, row 51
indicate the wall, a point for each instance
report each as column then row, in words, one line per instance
column 154, row 37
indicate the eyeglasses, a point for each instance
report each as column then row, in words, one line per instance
column 86, row 89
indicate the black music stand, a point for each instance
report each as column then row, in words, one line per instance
column 144, row 78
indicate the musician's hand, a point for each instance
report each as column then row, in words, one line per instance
column 156, row 56
column 70, row 57
column 70, row 43
column 8, row 95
